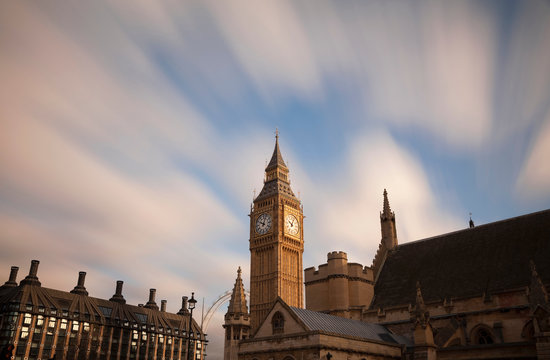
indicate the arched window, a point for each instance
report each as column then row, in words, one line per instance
column 278, row 323
column 528, row 332
column 482, row 335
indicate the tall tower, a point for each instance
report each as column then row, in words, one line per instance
column 237, row 321
column 276, row 242
column 389, row 236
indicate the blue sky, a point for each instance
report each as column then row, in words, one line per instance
column 135, row 133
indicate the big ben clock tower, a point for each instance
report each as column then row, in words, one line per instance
column 276, row 242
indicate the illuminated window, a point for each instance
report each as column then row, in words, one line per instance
column 28, row 318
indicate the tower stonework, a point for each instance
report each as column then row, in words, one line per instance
column 237, row 320
column 276, row 242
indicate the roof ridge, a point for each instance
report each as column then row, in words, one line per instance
column 476, row 227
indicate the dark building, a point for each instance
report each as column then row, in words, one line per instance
column 43, row 323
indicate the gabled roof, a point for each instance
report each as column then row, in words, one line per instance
column 471, row 262
column 316, row 321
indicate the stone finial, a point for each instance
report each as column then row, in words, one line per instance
column 117, row 297
column 386, row 210
column 421, row 314
column 237, row 302
column 537, row 291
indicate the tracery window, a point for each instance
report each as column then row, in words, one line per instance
column 483, row 336
column 278, row 323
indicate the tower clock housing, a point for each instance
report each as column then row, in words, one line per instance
column 276, row 242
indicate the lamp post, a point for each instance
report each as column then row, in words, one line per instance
column 192, row 302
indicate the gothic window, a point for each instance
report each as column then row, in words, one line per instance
column 278, row 323
column 483, row 336
column 528, row 332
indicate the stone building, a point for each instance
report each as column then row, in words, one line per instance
column 477, row 293
column 474, row 293
column 43, row 323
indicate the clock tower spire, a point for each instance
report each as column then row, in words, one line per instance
column 276, row 242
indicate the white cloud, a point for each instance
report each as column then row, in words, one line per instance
column 268, row 39
column 534, row 178
column 342, row 206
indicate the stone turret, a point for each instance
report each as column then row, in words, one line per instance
column 338, row 287
column 424, row 345
column 389, row 236
column 237, row 320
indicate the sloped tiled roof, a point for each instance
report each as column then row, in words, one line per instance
column 471, row 262
column 276, row 186
column 316, row 321
column 276, row 158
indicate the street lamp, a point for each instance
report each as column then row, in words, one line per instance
column 192, row 302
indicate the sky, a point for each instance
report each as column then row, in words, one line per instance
column 134, row 134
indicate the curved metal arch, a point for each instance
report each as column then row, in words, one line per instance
column 215, row 306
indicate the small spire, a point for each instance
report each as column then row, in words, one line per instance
column 537, row 291
column 421, row 314
column 471, row 221
column 386, row 210
column 276, row 158
column 237, row 302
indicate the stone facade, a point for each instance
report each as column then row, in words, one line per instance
column 295, row 334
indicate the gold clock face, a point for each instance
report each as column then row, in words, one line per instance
column 292, row 226
column 263, row 223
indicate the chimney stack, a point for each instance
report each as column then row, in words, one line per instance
column 183, row 310
column 32, row 278
column 163, row 305
column 117, row 297
column 79, row 288
column 151, row 304
column 12, row 282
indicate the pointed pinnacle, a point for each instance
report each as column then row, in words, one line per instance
column 387, row 209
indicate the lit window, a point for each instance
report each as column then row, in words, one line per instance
column 28, row 319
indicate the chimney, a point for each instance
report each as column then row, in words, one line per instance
column 151, row 304
column 79, row 288
column 183, row 310
column 12, row 282
column 32, row 279
column 117, row 297
column 163, row 305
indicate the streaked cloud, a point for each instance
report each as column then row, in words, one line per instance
column 132, row 136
